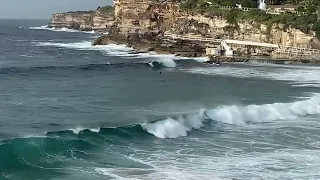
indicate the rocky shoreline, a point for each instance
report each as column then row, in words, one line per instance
column 154, row 41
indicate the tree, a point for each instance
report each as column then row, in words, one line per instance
column 301, row 9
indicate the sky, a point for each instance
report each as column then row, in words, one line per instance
column 43, row 9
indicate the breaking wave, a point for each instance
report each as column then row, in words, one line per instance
column 59, row 29
column 174, row 128
column 116, row 50
column 180, row 125
column 265, row 112
column 24, row 152
column 233, row 115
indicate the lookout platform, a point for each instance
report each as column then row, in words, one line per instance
column 277, row 50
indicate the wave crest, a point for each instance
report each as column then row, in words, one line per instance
column 181, row 125
column 266, row 112
column 233, row 115
column 171, row 128
column 175, row 127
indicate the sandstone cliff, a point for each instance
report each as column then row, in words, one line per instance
column 83, row 20
column 149, row 19
column 132, row 16
column 218, row 27
column 144, row 15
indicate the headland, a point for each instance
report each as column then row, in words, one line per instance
column 205, row 28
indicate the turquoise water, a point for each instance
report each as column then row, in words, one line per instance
column 72, row 111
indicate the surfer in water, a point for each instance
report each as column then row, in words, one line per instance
column 162, row 80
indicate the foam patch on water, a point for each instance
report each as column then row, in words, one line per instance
column 170, row 172
column 197, row 158
column 59, row 29
column 299, row 76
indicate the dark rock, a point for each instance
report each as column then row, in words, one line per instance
column 85, row 29
column 153, row 41
column 315, row 43
column 75, row 26
column 98, row 41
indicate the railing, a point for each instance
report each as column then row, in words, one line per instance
column 190, row 37
column 268, row 11
column 296, row 51
column 278, row 49
column 204, row 39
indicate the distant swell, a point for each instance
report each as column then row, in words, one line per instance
column 88, row 67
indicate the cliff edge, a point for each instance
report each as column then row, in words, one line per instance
column 101, row 19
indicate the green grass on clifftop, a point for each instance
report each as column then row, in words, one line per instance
column 307, row 22
column 106, row 9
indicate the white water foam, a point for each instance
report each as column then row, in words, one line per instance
column 174, row 128
column 166, row 60
column 114, row 50
column 86, row 45
column 198, row 59
column 59, row 29
column 188, row 163
column 299, row 76
column 162, row 172
column 79, row 130
column 236, row 115
column 24, row 55
column 266, row 112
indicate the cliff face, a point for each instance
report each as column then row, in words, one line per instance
column 83, row 20
column 144, row 15
column 132, row 16
column 251, row 31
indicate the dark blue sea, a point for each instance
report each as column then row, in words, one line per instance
column 72, row 111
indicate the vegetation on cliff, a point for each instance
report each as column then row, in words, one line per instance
column 106, row 9
column 306, row 22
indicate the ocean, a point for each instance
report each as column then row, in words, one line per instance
column 72, row 111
